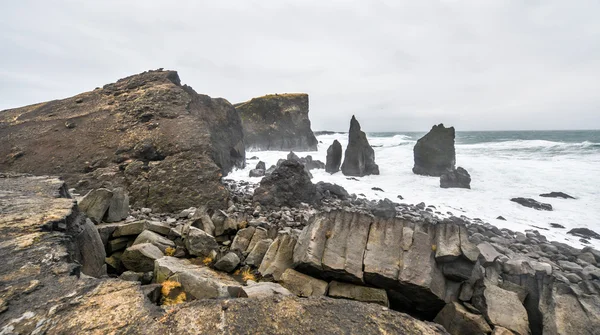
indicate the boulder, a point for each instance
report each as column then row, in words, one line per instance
column 326, row 190
column 141, row 257
column 288, row 185
column 258, row 252
column 242, row 239
column 359, row 293
column 556, row 195
column 265, row 289
column 96, row 203
column 584, row 232
column 261, row 166
column 359, row 159
column 531, row 203
column 117, row 244
column 279, row 256
column 277, row 122
column 129, row 228
column 91, row 250
column 458, row 321
column 457, row 178
column 434, row 153
column 119, row 206
column 385, row 208
column 201, row 220
column 257, row 173
column 199, row 243
column 153, row 238
column 334, row 157
column 303, row 285
column 501, row 308
column 228, row 263
column 166, row 144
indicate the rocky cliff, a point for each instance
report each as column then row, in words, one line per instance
column 277, row 122
column 168, row 145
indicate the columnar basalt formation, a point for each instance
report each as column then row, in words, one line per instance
column 167, row 145
column 277, row 122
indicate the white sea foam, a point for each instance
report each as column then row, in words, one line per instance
column 499, row 171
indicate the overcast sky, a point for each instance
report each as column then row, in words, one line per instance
column 396, row 65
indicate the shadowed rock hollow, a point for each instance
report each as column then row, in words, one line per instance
column 277, row 122
column 168, row 145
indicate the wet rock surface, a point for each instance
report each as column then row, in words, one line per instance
column 434, row 153
column 334, row 157
column 532, row 203
column 457, row 178
column 359, row 158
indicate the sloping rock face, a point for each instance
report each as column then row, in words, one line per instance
column 458, row 178
column 434, row 153
column 288, row 185
column 334, row 157
column 407, row 259
column 277, row 122
column 166, row 144
column 359, row 159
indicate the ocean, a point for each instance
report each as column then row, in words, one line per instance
column 502, row 165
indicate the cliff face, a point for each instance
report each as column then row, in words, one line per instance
column 277, row 122
column 137, row 132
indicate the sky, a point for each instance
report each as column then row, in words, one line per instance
column 397, row 65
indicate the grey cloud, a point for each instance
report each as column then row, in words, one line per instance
column 396, row 65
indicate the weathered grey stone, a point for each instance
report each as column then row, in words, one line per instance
column 131, row 276
column 468, row 249
column 488, row 253
column 359, row 293
column 114, row 262
column 259, row 235
column 141, row 257
column 159, row 241
column 383, row 253
column 279, row 256
column 91, row 250
column 228, row 263
column 242, row 239
column 570, row 266
column 159, row 227
column 225, row 224
column 518, row 266
column 199, row 243
column 447, row 242
column 459, row 270
column 257, row 254
column 202, row 220
column 458, row 321
column 265, row 289
column 501, row 308
column 117, row 244
column 303, row 285
column 130, row 228
column 96, row 203
column 587, row 257
column 591, row 272
column 118, row 209
column 502, row 331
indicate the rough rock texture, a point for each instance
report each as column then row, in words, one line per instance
column 501, row 308
column 277, row 122
column 458, row 321
column 119, row 206
column 279, row 256
column 359, row 159
column 96, row 203
column 434, row 153
column 457, row 178
column 153, row 238
column 288, row 185
column 303, row 285
column 531, row 203
column 141, row 257
column 163, row 142
column 334, row 157
column 359, row 293
column 556, row 195
column 199, row 243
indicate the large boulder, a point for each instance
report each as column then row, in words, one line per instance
column 279, row 256
column 199, row 243
column 359, row 159
column 458, row 321
column 166, row 144
column 141, row 257
column 334, row 157
column 357, row 292
column 434, row 153
column 277, row 122
column 288, row 185
column 96, row 203
column 501, row 307
column 457, row 178
column 303, row 285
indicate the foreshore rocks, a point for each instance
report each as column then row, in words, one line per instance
column 434, row 153
column 532, row 203
column 334, row 157
column 164, row 144
column 277, row 122
column 556, row 195
column 288, row 185
column 359, row 159
column 457, row 178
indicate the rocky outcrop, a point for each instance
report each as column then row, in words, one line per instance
column 556, row 195
column 434, row 153
column 457, row 178
column 334, row 157
column 277, row 122
column 458, row 320
column 359, row 159
column 532, row 203
column 288, row 185
column 167, row 145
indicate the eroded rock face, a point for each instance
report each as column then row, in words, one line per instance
column 434, row 153
column 288, row 185
column 166, row 144
column 359, row 159
column 277, row 122
column 334, row 157
column 458, row 178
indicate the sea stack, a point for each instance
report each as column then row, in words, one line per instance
column 434, row 153
column 458, row 178
column 334, row 157
column 359, row 159
column 277, row 122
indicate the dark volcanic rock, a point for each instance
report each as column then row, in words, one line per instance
column 195, row 140
column 277, row 122
column 556, row 225
column 261, row 165
column 556, row 195
column 434, row 153
column 531, row 203
column 257, row 173
column 325, row 189
column 288, row 185
column 584, row 232
column 457, row 178
column 359, row 159
column 334, row 157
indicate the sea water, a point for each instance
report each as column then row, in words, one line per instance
column 502, row 165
